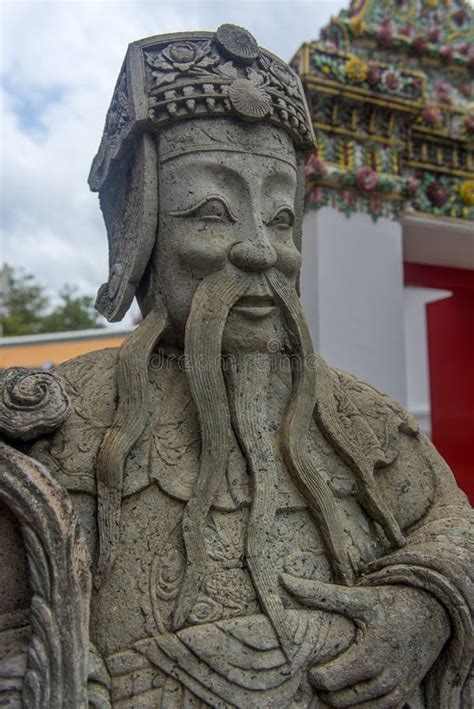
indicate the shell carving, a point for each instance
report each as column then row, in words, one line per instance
column 250, row 101
column 32, row 403
column 238, row 43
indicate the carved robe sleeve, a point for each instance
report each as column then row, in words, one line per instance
column 439, row 558
column 54, row 671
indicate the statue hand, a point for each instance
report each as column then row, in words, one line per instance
column 401, row 631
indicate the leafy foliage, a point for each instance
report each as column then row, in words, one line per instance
column 26, row 309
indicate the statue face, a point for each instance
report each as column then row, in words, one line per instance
column 222, row 210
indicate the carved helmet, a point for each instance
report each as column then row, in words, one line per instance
column 163, row 80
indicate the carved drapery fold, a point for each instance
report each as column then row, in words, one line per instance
column 33, row 403
column 56, row 674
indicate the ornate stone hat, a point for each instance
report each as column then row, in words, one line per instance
column 173, row 77
column 164, row 80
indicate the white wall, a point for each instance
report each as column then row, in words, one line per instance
column 352, row 294
column 416, row 352
column 437, row 241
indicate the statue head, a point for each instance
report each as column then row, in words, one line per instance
column 227, row 212
column 199, row 172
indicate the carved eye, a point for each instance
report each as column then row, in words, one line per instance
column 283, row 219
column 213, row 210
column 210, row 209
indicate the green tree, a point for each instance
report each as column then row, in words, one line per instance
column 23, row 303
column 26, row 309
column 73, row 312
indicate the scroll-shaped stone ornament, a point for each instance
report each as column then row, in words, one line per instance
column 32, row 403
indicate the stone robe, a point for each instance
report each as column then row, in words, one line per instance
column 228, row 654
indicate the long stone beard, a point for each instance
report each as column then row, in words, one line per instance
column 248, row 385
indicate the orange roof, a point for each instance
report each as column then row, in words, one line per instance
column 43, row 351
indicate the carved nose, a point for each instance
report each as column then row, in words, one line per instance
column 253, row 255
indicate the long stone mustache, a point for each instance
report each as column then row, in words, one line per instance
column 205, row 325
column 313, row 395
column 295, row 430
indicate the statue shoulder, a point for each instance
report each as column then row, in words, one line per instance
column 87, row 375
column 374, row 404
column 376, row 418
column 95, row 366
column 70, row 452
column 90, row 383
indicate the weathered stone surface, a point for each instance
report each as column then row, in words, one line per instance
column 44, row 638
column 261, row 530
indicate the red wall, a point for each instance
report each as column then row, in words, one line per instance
column 450, row 325
column 450, row 328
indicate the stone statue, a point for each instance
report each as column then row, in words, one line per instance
column 210, row 515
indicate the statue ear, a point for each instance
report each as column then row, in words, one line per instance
column 129, row 203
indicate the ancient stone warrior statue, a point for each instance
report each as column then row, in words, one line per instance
column 210, row 515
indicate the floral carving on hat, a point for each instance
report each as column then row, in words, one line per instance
column 284, row 78
column 179, row 58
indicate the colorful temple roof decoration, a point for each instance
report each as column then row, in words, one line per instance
column 390, row 86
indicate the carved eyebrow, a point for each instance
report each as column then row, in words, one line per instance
column 189, row 211
column 280, row 209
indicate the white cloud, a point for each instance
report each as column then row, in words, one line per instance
column 59, row 64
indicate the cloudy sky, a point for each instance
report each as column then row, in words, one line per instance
column 59, row 63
